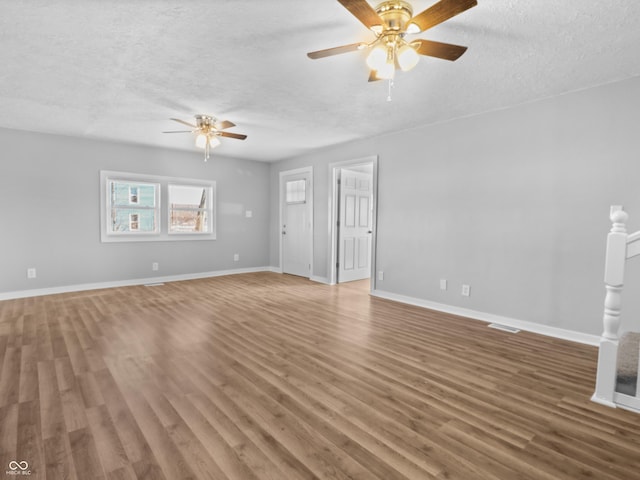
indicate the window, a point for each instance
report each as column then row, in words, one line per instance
column 135, row 207
column 190, row 209
column 134, row 224
column 296, row 191
column 133, row 195
column 141, row 218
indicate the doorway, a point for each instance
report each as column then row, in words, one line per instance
column 296, row 222
column 353, row 212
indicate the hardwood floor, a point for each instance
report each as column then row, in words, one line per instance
column 271, row 377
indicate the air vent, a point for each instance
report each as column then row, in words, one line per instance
column 504, row 328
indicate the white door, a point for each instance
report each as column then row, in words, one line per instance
column 296, row 227
column 355, row 224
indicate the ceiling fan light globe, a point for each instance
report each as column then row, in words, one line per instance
column 413, row 28
column 377, row 58
column 386, row 71
column 407, row 58
column 201, row 140
column 214, row 142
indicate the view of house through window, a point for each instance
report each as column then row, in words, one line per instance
column 133, row 207
column 189, row 208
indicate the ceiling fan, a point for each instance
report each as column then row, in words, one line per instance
column 391, row 21
column 207, row 130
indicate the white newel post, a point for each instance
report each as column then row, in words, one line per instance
column 614, row 281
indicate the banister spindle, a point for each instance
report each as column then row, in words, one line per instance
column 614, row 281
column 614, row 272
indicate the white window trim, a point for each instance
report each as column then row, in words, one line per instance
column 162, row 204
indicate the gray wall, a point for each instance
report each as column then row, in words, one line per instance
column 513, row 202
column 49, row 211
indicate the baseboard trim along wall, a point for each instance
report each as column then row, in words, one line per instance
column 532, row 327
column 315, row 278
column 36, row 292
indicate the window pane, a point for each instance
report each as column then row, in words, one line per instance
column 188, row 196
column 296, row 191
column 190, row 209
column 127, row 193
column 189, row 221
column 133, row 194
column 133, row 220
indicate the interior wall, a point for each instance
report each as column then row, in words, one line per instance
column 514, row 203
column 50, row 211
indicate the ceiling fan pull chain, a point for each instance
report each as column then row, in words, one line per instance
column 390, row 87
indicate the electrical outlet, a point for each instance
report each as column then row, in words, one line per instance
column 31, row 272
column 248, row 214
column 466, row 290
column 443, row 284
column 380, row 275
column 155, row 266
column 236, row 257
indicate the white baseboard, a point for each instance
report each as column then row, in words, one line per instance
column 273, row 269
column 627, row 402
column 603, row 401
column 36, row 292
column 315, row 278
column 533, row 327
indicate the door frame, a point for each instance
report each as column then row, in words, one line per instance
column 308, row 170
column 334, row 169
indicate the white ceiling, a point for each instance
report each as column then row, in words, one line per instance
column 118, row 69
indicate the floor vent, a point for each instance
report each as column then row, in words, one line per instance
column 153, row 284
column 504, row 328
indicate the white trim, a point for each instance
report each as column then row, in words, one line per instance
column 309, row 194
column 273, row 269
column 603, row 401
column 315, row 278
column 333, row 215
column 547, row 330
column 37, row 292
column 627, row 402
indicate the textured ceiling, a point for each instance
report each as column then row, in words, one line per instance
column 117, row 69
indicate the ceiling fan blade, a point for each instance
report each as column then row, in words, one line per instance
column 373, row 76
column 441, row 11
column 224, row 124
column 363, row 12
column 327, row 52
column 239, row 136
column 183, row 122
column 178, row 131
column 446, row 51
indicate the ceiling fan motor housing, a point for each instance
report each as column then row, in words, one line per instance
column 396, row 15
column 204, row 121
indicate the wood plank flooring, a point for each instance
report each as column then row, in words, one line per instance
column 272, row 377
